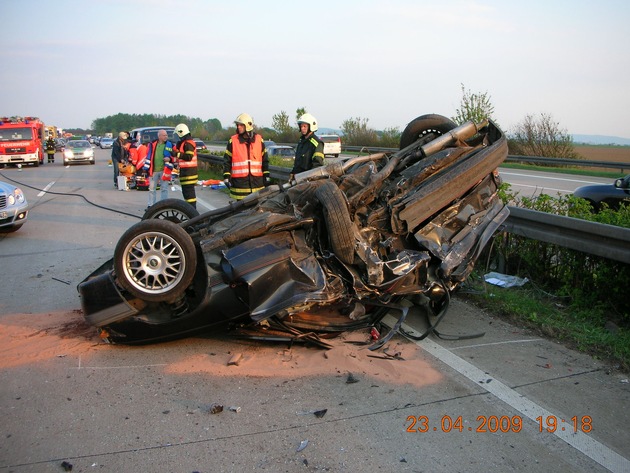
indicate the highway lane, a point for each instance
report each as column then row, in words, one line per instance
column 529, row 183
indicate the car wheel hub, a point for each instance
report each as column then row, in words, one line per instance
column 154, row 262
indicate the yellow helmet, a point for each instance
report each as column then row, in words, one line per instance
column 245, row 119
column 310, row 119
column 181, row 130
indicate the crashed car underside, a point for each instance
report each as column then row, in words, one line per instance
column 332, row 251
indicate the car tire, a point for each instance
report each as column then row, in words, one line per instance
column 338, row 222
column 173, row 210
column 155, row 260
column 425, row 128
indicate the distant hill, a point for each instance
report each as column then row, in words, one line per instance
column 600, row 140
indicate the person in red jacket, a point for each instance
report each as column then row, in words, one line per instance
column 246, row 164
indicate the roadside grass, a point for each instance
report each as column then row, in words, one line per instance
column 565, row 170
column 588, row 330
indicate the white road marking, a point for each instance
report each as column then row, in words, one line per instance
column 590, row 447
column 46, row 188
column 205, row 204
column 497, row 343
column 548, row 177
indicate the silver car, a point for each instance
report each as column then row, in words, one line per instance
column 13, row 208
column 106, row 143
column 78, row 151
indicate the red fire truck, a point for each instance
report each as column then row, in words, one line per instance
column 21, row 141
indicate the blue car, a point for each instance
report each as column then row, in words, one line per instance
column 13, row 208
column 612, row 195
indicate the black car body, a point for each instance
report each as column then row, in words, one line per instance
column 329, row 252
column 613, row 195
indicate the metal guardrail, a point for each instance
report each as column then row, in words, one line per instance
column 593, row 238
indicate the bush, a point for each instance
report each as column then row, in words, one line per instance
column 541, row 137
column 586, row 281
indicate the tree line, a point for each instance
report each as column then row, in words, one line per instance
column 203, row 129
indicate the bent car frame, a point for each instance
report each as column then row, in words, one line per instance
column 334, row 250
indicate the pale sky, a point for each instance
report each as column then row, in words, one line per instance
column 70, row 62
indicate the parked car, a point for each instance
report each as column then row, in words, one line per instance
column 13, row 207
column 201, row 146
column 613, row 195
column 106, row 143
column 78, row 151
column 283, row 151
column 332, row 145
column 334, row 250
column 59, row 144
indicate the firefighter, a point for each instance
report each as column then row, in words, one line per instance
column 186, row 152
column 50, row 149
column 309, row 152
column 246, row 164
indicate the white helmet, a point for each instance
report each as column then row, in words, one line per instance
column 245, row 119
column 181, row 130
column 310, row 119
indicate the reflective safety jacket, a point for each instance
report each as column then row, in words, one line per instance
column 309, row 153
column 141, row 155
column 247, row 156
column 187, row 154
column 50, row 146
column 246, row 164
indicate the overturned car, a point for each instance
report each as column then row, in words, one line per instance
column 332, row 251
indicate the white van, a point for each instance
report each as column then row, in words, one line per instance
column 332, row 145
column 149, row 133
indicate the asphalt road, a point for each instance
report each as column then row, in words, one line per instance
column 475, row 405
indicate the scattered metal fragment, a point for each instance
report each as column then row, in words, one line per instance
column 236, row 409
column 216, row 408
column 388, row 356
column 61, row 280
column 302, row 446
column 236, row 359
column 351, row 379
column 375, row 334
column 321, row 413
